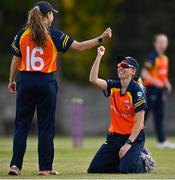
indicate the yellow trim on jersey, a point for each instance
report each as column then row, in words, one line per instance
column 130, row 96
column 53, row 56
column 114, row 89
column 65, row 41
column 139, row 103
column 15, row 48
column 148, row 65
column 27, row 31
column 118, row 89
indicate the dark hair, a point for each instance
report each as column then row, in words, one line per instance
column 37, row 27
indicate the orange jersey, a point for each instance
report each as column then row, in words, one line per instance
column 123, row 108
column 37, row 58
column 157, row 66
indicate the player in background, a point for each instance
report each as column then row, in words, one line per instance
column 35, row 51
column 155, row 75
column 123, row 151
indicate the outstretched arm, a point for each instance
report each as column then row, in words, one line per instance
column 93, row 77
column 84, row 45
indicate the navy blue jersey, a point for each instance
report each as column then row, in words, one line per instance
column 150, row 60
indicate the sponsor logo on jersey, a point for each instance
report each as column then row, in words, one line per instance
column 127, row 104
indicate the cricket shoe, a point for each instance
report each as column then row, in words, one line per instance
column 150, row 164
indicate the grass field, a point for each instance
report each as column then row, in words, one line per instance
column 73, row 162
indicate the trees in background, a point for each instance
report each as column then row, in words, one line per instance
column 134, row 24
column 137, row 23
column 83, row 20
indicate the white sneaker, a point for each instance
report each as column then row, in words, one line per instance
column 166, row 145
column 150, row 164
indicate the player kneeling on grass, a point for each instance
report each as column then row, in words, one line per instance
column 123, row 151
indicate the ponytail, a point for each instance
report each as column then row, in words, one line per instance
column 140, row 83
column 37, row 27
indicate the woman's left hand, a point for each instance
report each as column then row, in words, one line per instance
column 169, row 88
column 12, row 87
column 124, row 149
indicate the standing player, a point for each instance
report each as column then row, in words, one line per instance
column 155, row 75
column 123, row 151
column 35, row 50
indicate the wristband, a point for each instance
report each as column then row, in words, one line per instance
column 128, row 141
column 100, row 40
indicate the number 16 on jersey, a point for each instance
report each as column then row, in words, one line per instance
column 36, row 63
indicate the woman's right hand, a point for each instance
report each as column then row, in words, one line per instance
column 12, row 87
column 107, row 34
column 101, row 51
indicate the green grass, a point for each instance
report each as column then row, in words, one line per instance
column 73, row 162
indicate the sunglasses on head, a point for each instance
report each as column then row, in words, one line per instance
column 125, row 65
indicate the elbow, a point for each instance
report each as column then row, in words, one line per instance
column 80, row 48
column 77, row 46
column 92, row 80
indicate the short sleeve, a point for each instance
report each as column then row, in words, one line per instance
column 110, row 84
column 139, row 99
column 15, row 46
column 150, row 60
column 61, row 40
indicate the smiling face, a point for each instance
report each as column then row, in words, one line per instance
column 125, row 70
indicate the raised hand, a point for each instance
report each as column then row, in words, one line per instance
column 101, row 50
column 107, row 34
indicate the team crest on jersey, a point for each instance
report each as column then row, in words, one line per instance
column 140, row 95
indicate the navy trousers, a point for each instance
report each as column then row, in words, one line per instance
column 107, row 158
column 35, row 91
column 156, row 103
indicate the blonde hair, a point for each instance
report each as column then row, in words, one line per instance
column 37, row 27
column 159, row 35
column 140, row 83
